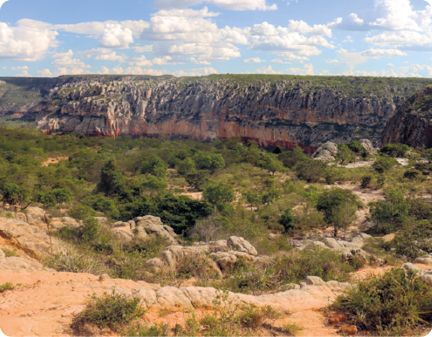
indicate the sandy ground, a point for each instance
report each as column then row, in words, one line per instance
column 51, row 160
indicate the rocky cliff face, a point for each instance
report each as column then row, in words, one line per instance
column 412, row 124
column 272, row 110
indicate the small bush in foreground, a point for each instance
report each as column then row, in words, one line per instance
column 395, row 300
column 110, row 311
column 6, row 286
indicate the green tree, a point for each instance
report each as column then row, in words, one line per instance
column 310, row 170
column 186, row 166
column 81, row 212
column 107, row 206
column 14, row 194
column 112, row 179
column 344, row 155
column 210, row 161
column 287, row 221
column 292, row 158
column 355, row 146
column 338, row 206
column 252, row 198
column 198, row 179
column 62, row 195
column 383, row 164
column 155, row 184
column 218, row 193
column 154, row 165
column 271, row 162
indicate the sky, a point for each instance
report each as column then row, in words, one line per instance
column 202, row 37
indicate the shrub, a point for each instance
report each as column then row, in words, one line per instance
column 210, row 161
column 112, row 180
column 310, row 170
column 395, row 150
column 10, row 252
column 271, row 163
column 420, row 208
column 107, row 206
column 365, row 181
column 186, row 166
column 14, row 194
column 6, row 286
column 383, row 164
column 81, row 212
column 345, row 155
column 412, row 174
column 413, row 240
column 90, row 229
column 292, row 158
column 397, row 299
column 355, row 146
column 287, row 221
column 155, row 330
column 109, row 311
column 198, row 179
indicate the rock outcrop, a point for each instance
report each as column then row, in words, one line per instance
column 283, row 110
column 326, row 152
column 412, row 124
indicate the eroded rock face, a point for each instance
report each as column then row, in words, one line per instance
column 30, row 239
column 412, row 123
column 282, row 112
column 326, row 152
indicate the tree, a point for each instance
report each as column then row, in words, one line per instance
column 216, row 194
column 198, row 179
column 338, row 206
column 270, row 162
column 154, row 166
column 292, row 158
column 112, row 179
column 186, row 166
column 81, row 212
column 107, row 206
column 355, row 146
column 287, row 221
column 89, row 229
column 383, row 164
column 252, row 198
column 14, row 194
column 344, row 154
column 155, row 184
column 211, row 161
column 310, row 170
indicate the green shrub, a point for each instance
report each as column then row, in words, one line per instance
column 395, row 150
column 398, row 299
column 413, row 240
column 109, row 311
column 90, row 229
column 198, row 179
column 287, row 221
column 345, row 155
column 10, row 252
column 210, row 161
column 310, row 170
column 107, row 206
column 81, row 212
column 220, row 193
column 186, row 166
column 14, row 194
column 420, row 208
column 355, row 146
column 154, row 330
column 271, row 163
column 365, row 181
column 412, row 174
column 6, row 286
column 383, row 164
column 154, row 166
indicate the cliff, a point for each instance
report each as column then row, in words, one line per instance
column 412, row 124
column 272, row 110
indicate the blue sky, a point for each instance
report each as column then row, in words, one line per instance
column 201, row 37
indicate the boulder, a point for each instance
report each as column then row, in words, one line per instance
column 19, row 264
column 31, row 240
column 427, row 278
column 227, row 260
column 241, row 245
column 332, row 243
column 360, row 239
column 153, row 225
column 326, row 152
column 59, row 223
column 367, row 145
column 425, row 259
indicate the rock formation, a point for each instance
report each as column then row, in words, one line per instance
column 412, row 124
column 282, row 110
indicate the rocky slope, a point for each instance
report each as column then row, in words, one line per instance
column 272, row 110
column 412, row 124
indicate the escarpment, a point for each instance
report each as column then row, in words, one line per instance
column 272, row 110
column 412, row 124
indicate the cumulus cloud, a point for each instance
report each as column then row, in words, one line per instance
column 104, row 54
column 308, row 69
column 139, row 62
column 253, row 60
column 143, row 49
column 236, row 5
column 379, row 53
column 45, row 73
column 408, row 40
column 195, row 72
column 163, row 61
column 332, row 61
column 116, row 36
column 268, row 70
column 25, row 43
column 393, row 15
column 65, row 64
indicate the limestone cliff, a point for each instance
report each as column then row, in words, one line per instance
column 412, row 124
column 273, row 110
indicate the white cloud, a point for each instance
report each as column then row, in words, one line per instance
column 378, row 53
column 308, row 69
column 141, row 71
column 163, row 61
column 139, row 62
column 196, row 72
column 19, row 68
column 267, row 70
column 408, row 40
column 253, row 60
column 104, row 70
column 116, row 36
column 24, row 73
column 387, row 15
column 103, row 54
column 25, row 43
column 143, row 49
column 65, row 64
column 237, row 5
column 332, row 61
column 391, row 65
column 45, row 73
column 190, row 35
column 117, row 70
column 280, row 61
